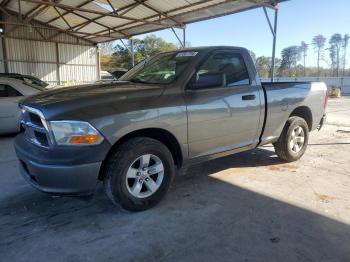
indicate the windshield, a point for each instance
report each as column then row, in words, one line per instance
column 160, row 69
column 35, row 83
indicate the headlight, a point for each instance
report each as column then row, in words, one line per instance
column 75, row 133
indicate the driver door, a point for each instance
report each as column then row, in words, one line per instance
column 223, row 106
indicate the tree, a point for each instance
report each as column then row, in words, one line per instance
column 123, row 56
column 106, row 48
column 149, row 46
column 290, row 58
column 253, row 56
column 345, row 47
column 335, row 45
column 118, row 55
column 318, row 43
column 152, row 45
column 263, row 65
column 333, row 57
column 106, row 62
column 303, row 49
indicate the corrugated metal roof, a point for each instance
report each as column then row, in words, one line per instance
column 36, row 31
column 103, row 20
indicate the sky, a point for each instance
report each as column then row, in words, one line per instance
column 299, row 20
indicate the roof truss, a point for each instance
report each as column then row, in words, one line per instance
column 106, row 20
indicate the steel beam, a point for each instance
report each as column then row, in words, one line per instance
column 67, row 7
column 274, row 35
column 54, row 29
column 157, row 11
column 127, row 48
column 98, row 68
column 184, row 35
column 58, row 75
column 131, row 26
column 274, row 47
column 268, row 21
column 132, row 53
column 4, row 54
column 178, row 38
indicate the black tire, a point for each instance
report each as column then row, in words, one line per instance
column 115, row 177
column 282, row 146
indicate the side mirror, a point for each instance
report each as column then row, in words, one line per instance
column 208, row 80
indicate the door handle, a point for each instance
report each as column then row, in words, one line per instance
column 248, row 97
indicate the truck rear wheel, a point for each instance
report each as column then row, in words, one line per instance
column 139, row 173
column 293, row 141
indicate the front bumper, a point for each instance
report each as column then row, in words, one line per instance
column 79, row 179
column 60, row 170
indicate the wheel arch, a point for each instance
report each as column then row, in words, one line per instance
column 305, row 113
column 162, row 135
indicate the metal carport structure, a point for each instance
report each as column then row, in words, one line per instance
column 95, row 21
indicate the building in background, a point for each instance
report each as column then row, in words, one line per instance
column 56, row 57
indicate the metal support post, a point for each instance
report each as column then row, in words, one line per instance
column 132, row 53
column 274, row 34
column 184, row 36
column 178, row 38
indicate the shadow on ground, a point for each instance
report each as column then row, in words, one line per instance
column 201, row 219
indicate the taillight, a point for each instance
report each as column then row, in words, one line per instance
column 326, row 100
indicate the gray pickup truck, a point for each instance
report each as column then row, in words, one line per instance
column 168, row 111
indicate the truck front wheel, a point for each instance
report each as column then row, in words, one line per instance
column 293, row 141
column 139, row 173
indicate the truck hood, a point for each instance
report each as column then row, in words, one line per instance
column 66, row 102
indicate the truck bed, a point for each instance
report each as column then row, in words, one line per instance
column 281, row 98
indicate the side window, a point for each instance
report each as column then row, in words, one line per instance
column 222, row 66
column 8, row 91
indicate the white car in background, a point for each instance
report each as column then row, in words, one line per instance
column 11, row 92
column 113, row 75
column 107, row 76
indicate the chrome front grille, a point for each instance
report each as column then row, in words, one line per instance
column 35, row 126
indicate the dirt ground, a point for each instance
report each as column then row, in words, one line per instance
column 246, row 207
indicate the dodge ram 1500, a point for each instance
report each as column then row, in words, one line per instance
column 170, row 110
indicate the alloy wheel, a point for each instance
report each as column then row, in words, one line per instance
column 144, row 176
column 297, row 139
